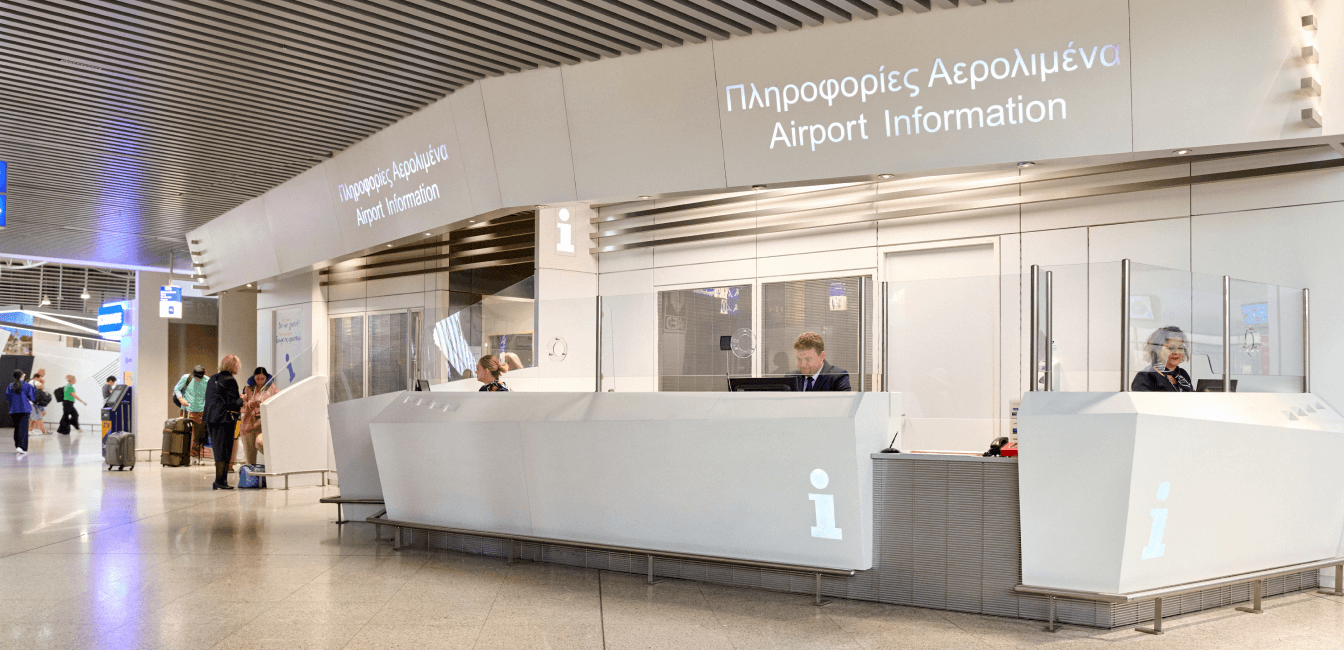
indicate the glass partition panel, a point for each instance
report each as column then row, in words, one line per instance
column 1206, row 328
column 943, row 341
column 630, row 326
column 567, row 347
column 1068, row 350
column 829, row 307
column 1266, row 325
column 1159, row 299
column 705, row 336
column 501, row 323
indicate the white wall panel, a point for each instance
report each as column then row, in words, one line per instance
column 1119, row 208
column 626, row 283
column 956, row 225
column 707, row 272
column 1271, row 191
column 478, row 157
column 302, row 221
column 1163, row 243
column 645, row 124
column 580, row 227
column 837, row 261
column 530, row 137
column 1215, row 72
column 831, row 238
column 236, row 247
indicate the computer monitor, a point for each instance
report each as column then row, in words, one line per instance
column 751, row 384
column 1213, row 386
column 114, row 399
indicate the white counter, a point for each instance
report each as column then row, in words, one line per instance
column 752, row 476
column 1123, row 492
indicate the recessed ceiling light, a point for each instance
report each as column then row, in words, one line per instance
column 389, row 245
column 249, row 286
column 541, row 207
column 885, row 176
column 1181, row 152
column 644, row 197
column 429, row 234
column 1026, row 164
column 472, row 221
column 758, row 187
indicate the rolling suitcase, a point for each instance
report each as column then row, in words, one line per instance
column 177, row 434
column 119, row 450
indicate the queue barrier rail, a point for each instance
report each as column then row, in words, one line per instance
column 286, row 475
column 340, row 518
column 650, row 554
column 1255, row 578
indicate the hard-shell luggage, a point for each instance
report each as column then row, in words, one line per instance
column 177, row 434
column 119, row 450
column 247, row 477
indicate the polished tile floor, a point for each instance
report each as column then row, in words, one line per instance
column 152, row 558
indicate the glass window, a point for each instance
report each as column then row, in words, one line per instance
column 347, row 358
column 829, row 307
column 690, row 324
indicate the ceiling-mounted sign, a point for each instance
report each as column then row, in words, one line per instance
column 4, row 210
column 114, row 321
column 170, row 302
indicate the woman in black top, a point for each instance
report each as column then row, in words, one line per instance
column 1167, row 348
column 488, row 371
column 223, row 402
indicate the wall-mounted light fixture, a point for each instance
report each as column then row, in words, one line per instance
column 1309, row 22
column 1310, row 54
column 1311, row 87
column 1312, row 117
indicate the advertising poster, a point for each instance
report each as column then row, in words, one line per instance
column 291, row 348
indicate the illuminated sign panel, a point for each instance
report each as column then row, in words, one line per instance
column 114, row 320
column 170, row 302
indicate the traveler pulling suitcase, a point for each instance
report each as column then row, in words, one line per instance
column 119, row 450
column 177, row 434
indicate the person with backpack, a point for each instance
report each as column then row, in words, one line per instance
column 69, row 415
column 41, row 398
column 189, row 395
column 20, row 396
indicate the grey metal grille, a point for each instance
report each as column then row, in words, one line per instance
column 63, row 284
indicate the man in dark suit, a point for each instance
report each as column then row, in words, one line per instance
column 818, row 374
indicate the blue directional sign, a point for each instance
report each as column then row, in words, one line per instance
column 4, row 177
column 4, row 210
column 113, row 321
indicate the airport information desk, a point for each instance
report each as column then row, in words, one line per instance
column 1116, row 494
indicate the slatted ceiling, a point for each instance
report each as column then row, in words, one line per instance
column 153, row 117
column 62, row 284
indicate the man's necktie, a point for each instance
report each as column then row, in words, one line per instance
column 807, row 385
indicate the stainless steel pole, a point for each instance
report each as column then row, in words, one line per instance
column 1227, row 333
column 1049, row 330
column 598, row 377
column 1124, row 326
column 886, row 307
column 1306, row 341
column 863, row 283
column 1035, row 363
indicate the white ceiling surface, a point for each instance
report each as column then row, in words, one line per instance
column 659, row 123
column 128, row 123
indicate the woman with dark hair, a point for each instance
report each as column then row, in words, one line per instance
column 1167, row 348
column 259, row 389
column 222, row 406
column 488, row 371
column 21, row 396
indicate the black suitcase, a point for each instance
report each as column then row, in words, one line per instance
column 119, row 450
column 176, row 450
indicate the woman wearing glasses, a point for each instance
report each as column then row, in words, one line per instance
column 1167, row 349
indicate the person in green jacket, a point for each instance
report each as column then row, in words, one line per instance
column 190, row 394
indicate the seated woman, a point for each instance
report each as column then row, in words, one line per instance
column 1166, row 350
column 488, row 371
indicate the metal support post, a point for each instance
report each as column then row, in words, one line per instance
column 1049, row 330
column 863, row 339
column 1306, row 346
column 598, row 374
column 652, row 581
column 1257, row 588
column 396, row 538
column 819, row 602
column 340, row 518
column 1124, row 326
column 1034, row 384
column 1339, row 583
column 513, row 553
column 886, row 306
column 1227, row 333
column 1050, row 619
column 1157, row 620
